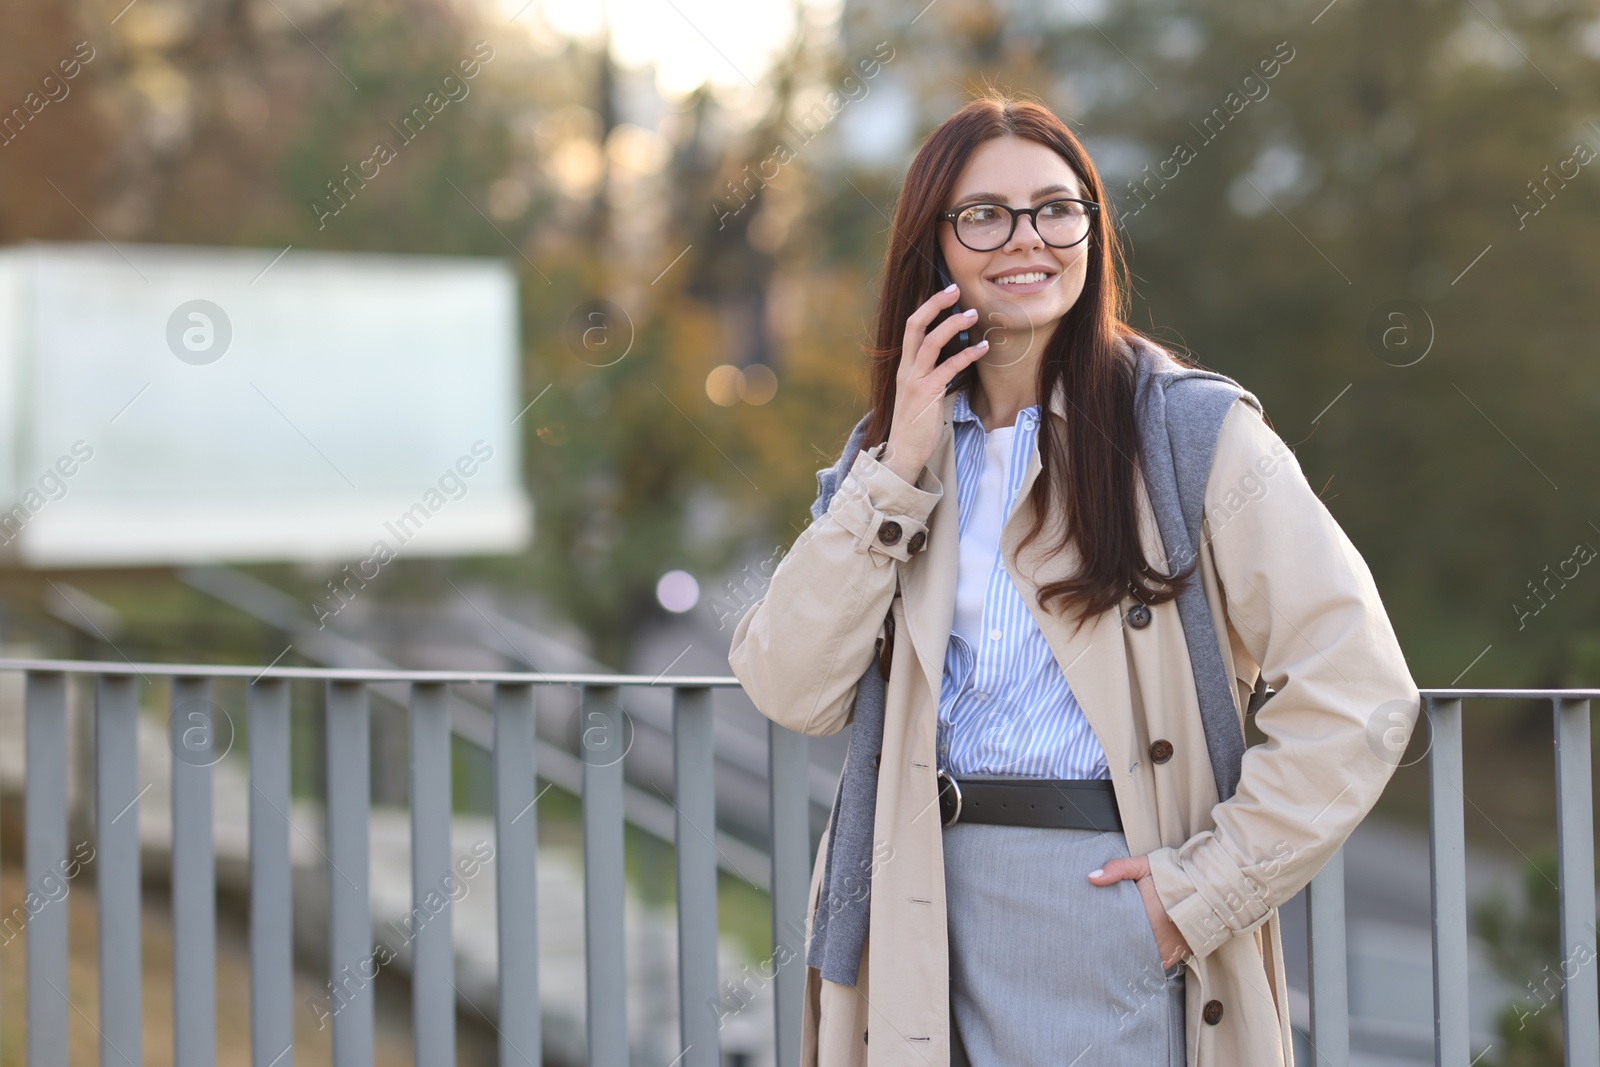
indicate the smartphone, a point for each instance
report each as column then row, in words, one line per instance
column 962, row 339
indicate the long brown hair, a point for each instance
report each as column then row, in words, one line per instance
column 1091, row 469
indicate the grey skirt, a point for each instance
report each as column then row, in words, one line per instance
column 1048, row 969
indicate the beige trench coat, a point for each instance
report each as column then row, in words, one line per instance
column 1290, row 598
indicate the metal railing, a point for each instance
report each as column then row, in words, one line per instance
column 1327, row 977
column 513, row 746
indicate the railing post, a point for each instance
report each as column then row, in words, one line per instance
column 194, row 896
column 791, row 883
column 433, row 990
column 351, row 962
column 116, row 794
column 271, row 881
column 516, row 875
column 1580, row 992
column 44, row 861
column 603, row 740
column 1447, row 861
column 694, row 842
column 1327, row 965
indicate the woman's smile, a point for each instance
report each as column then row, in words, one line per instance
column 1019, row 281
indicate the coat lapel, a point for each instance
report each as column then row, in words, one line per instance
column 928, row 583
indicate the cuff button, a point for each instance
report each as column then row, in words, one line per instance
column 918, row 539
column 889, row 532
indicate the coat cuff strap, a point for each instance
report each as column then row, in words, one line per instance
column 887, row 514
column 1204, row 922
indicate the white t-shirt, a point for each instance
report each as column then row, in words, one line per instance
column 980, row 544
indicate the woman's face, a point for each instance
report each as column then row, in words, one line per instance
column 1018, row 173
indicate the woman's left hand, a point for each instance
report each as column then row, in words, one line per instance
column 1170, row 942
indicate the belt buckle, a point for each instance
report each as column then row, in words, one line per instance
column 953, row 809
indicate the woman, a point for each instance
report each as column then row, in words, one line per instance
column 998, row 514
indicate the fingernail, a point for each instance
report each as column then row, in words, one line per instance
column 1097, row 872
column 970, row 312
column 950, row 288
column 982, row 344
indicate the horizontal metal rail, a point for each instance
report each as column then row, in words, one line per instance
column 354, row 674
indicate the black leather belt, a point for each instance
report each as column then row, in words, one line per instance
column 1067, row 803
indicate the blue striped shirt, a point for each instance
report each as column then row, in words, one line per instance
column 1006, row 708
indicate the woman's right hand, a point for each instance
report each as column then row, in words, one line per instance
column 920, row 384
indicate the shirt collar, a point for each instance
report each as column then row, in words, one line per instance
column 962, row 412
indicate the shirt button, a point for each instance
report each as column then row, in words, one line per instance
column 1212, row 1012
column 1161, row 751
column 994, row 635
column 889, row 532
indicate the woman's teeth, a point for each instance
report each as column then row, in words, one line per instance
column 1022, row 279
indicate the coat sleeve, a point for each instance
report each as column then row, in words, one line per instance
column 1306, row 607
column 801, row 649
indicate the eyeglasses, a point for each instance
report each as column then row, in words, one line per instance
column 986, row 227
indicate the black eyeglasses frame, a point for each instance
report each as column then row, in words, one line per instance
column 1016, row 212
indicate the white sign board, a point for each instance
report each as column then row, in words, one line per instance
column 169, row 405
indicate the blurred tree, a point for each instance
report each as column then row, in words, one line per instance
column 50, row 130
column 1525, row 948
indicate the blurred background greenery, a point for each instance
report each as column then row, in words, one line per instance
column 1385, row 161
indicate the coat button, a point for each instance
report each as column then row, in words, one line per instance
column 918, row 539
column 864, row 1033
column 1212, row 1012
column 1161, row 751
column 877, row 761
column 1139, row 616
column 889, row 532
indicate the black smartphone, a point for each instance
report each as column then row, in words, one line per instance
column 961, row 340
